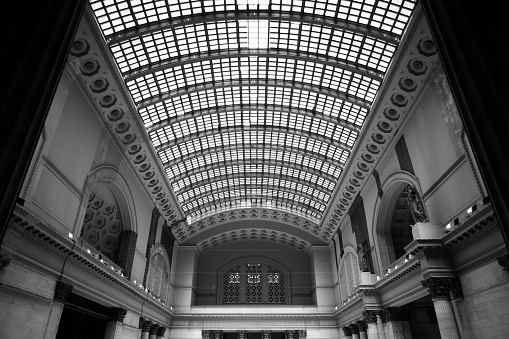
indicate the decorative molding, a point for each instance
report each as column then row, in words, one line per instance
column 254, row 234
column 62, row 291
column 442, row 287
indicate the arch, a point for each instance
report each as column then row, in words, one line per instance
column 382, row 218
column 115, row 181
column 158, row 276
column 254, row 280
column 349, row 273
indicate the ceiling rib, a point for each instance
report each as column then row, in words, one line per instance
column 264, row 53
column 287, row 130
column 253, row 82
column 221, row 148
column 290, row 202
column 252, row 107
column 286, row 177
column 311, row 19
column 252, row 161
column 247, row 187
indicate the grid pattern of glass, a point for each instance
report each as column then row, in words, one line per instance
column 276, row 286
column 253, row 284
column 253, row 109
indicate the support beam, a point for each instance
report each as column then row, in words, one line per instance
column 263, row 83
column 272, row 129
column 162, row 65
column 310, row 19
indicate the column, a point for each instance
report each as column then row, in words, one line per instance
column 439, row 290
column 394, row 317
column 160, row 332
column 145, row 328
column 348, row 332
column 62, row 292
column 152, row 332
column 362, row 330
column 355, row 331
column 380, row 325
column 370, row 321
column 114, row 327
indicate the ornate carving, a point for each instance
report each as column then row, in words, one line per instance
column 153, row 329
column 145, row 325
column 160, row 331
column 241, row 334
column 5, row 260
column 302, row 334
column 395, row 314
column 354, row 328
column 370, row 316
column 290, row 334
column 440, row 288
column 347, row 331
column 362, row 326
column 62, row 291
column 116, row 314
column 416, row 204
column 217, row 334
column 206, row 334
column 504, row 262
column 266, row 334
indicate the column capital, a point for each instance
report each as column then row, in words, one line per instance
column 241, row 334
column 206, row 334
column 62, row 291
column 116, row 314
column 290, row 334
column 370, row 316
column 153, row 329
column 217, row 334
column 354, row 328
column 5, row 260
column 395, row 314
column 347, row 331
column 361, row 324
column 160, row 331
column 145, row 324
column 441, row 287
column 504, row 262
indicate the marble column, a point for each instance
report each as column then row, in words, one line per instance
column 355, row 331
column 380, row 325
column 160, row 332
column 116, row 317
column 152, row 332
column 393, row 318
column 62, row 292
column 371, row 325
column 362, row 330
column 440, row 290
column 348, row 332
column 145, row 328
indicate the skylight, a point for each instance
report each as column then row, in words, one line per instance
column 253, row 103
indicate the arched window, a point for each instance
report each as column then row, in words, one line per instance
column 349, row 274
column 253, row 282
column 157, row 277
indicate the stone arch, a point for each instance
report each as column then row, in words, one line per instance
column 113, row 187
column 158, row 276
column 392, row 188
column 349, row 273
column 271, row 291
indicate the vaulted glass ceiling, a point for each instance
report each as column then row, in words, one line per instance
column 253, row 103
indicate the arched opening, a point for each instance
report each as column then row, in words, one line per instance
column 109, row 218
column 158, row 273
column 393, row 226
column 349, row 274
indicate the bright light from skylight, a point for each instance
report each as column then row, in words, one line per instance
column 256, row 33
